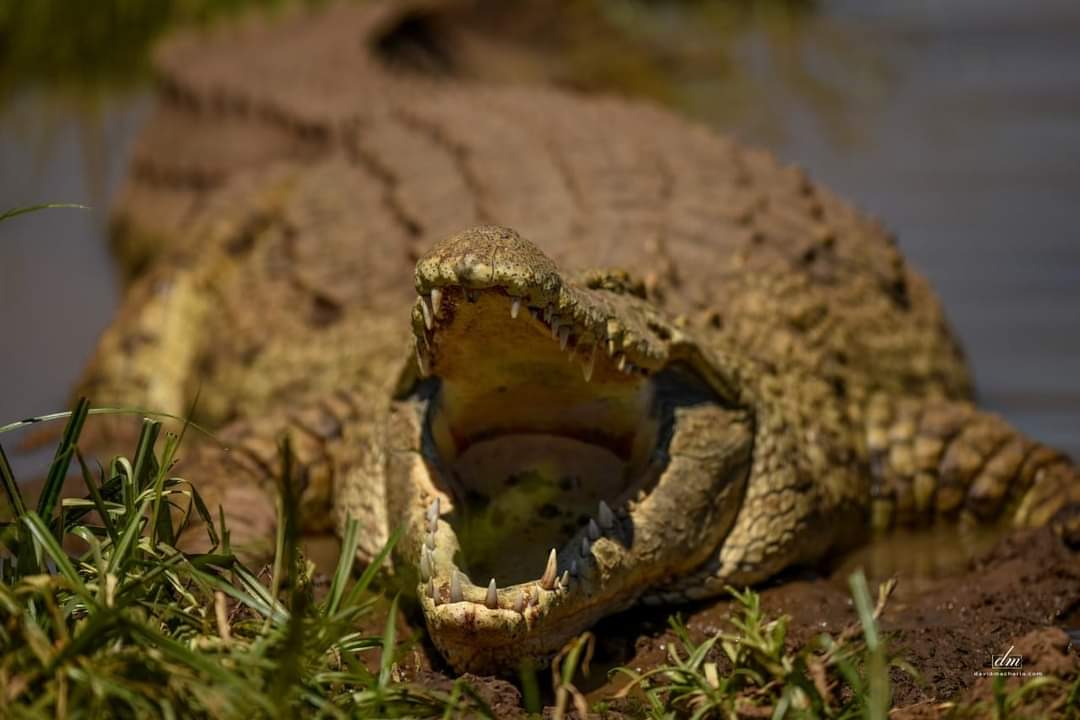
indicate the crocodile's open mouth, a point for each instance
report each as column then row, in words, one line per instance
column 537, row 432
column 552, row 467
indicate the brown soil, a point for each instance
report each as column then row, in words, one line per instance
column 1024, row 592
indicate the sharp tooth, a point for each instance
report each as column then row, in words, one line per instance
column 564, row 336
column 610, row 347
column 430, row 540
column 548, row 312
column 492, row 599
column 574, row 568
column 519, row 604
column 554, row 326
column 565, row 579
column 548, row 580
column 586, row 548
column 455, row 587
column 425, row 305
column 436, row 300
column 587, row 367
column 431, row 591
column 607, row 518
column 515, row 308
column 620, row 362
column 433, row 514
column 425, row 564
column 593, row 530
column 422, row 362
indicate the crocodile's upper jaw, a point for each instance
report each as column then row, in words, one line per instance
column 544, row 434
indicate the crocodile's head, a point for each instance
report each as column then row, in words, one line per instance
column 558, row 447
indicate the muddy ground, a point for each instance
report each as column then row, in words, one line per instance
column 1024, row 592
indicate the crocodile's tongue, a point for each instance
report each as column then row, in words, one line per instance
column 533, row 432
column 531, row 492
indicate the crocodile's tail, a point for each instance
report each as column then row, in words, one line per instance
column 941, row 458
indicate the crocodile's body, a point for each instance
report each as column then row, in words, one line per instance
column 766, row 375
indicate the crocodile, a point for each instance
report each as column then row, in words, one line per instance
column 575, row 346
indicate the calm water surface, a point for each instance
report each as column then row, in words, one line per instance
column 957, row 123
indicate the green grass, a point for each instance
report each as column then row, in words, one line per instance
column 129, row 625
column 752, row 673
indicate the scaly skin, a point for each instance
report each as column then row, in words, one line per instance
column 753, row 357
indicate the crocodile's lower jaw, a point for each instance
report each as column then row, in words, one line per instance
column 564, row 453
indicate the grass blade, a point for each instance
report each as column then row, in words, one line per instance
column 54, row 481
column 15, row 212
column 11, row 488
column 344, row 567
column 372, row 570
column 95, row 495
column 44, row 537
column 386, row 661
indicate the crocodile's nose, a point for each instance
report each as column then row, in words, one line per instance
column 489, row 256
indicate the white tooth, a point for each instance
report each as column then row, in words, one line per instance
column 436, row 300
column 431, row 591
column 425, row 564
column 425, row 305
column 548, row 312
column 492, row 599
column 587, row 367
column 607, row 518
column 593, row 530
column 455, row 587
column 554, row 326
column 620, row 361
column 586, row 548
column 515, row 308
column 519, row 604
column 548, row 580
column 574, row 568
column 565, row 579
column 610, row 347
column 564, row 336
column 422, row 362
column 430, row 540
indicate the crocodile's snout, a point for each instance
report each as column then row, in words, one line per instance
column 487, row 257
column 547, row 410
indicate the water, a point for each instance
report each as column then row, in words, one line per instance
column 956, row 123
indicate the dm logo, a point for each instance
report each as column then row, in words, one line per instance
column 1008, row 661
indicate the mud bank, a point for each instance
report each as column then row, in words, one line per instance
column 1024, row 593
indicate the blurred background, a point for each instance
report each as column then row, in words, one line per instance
column 957, row 123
